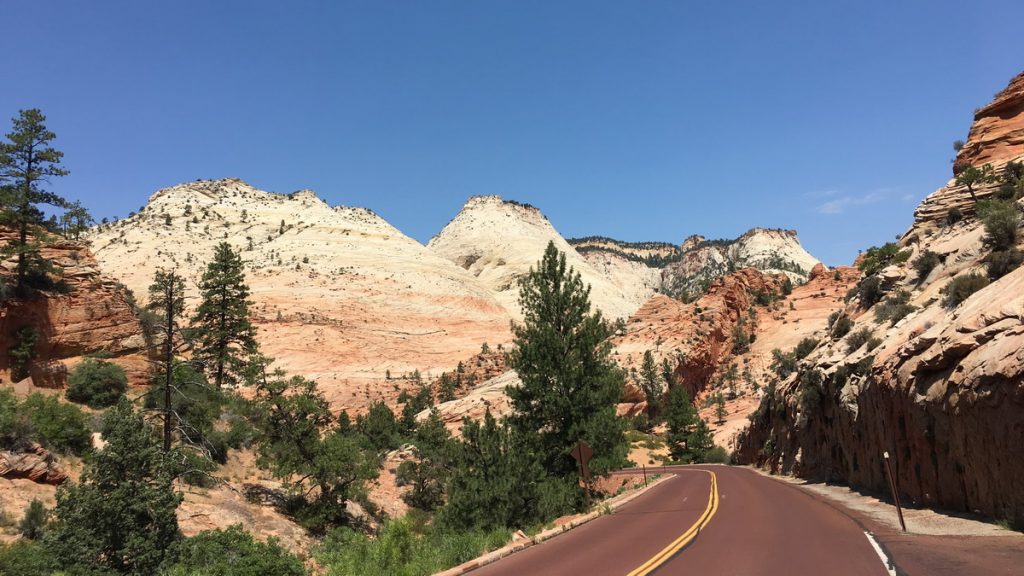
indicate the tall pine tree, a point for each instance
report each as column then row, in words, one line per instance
column 226, row 339
column 651, row 384
column 570, row 386
column 167, row 298
column 27, row 162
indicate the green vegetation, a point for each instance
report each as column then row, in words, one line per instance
column 1002, row 223
column 23, row 352
column 404, row 547
column 925, row 262
column 121, row 517
column 876, row 258
column 226, row 338
column 839, row 324
column 27, row 162
column 999, row 264
column 961, row 287
column 857, row 339
column 300, row 442
column 894, row 308
column 651, row 384
column 953, row 216
column 231, row 552
column 57, row 426
column 33, row 524
column 97, row 383
column 689, row 439
column 972, row 176
column 570, row 385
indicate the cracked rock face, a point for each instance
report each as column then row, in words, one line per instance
column 943, row 392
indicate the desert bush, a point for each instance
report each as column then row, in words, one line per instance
column 1002, row 222
column 805, row 347
column 27, row 558
column 839, row 324
column 857, row 339
column 57, row 425
column 894, row 308
column 877, row 258
column 961, row 287
column 868, row 291
column 96, row 383
column 874, row 342
column 228, row 553
column 924, row 264
column 717, row 455
column 953, row 216
column 1001, row 263
column 33, row 523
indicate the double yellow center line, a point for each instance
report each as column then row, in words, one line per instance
column 666, row 554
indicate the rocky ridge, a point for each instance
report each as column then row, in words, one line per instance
column 497, row 241
column 942, row 390
column 324, row 305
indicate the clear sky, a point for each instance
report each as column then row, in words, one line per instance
column 637, row 120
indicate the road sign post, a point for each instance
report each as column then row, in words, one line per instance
column 895, row 492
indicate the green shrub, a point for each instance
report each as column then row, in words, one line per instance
column 924, row 264
column 894, row 308
column 839, row 324
column 404, row 549
column 868, row 291
column 231, row 552
column 1002, row 221
column 874, row 342
column 59, row 426
column 16, row 431
column 961, row 287
column 857, row 339
column 22, row 352
column 783, row 363
column 33, row 523
column 717, row 455
column 1001, row 263
column 805, row 347
column 97, row 383
column 26, row 558
column 740, row 339
column 877, row 258
column 953, row 216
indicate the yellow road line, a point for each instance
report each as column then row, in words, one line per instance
column 688, row 536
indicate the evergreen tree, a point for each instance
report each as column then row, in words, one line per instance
column 75, row 220
column 27, row 161
column 446, row 391
column 225, row 336
column 429, row 471
column 720, row 412
column 651, row 385
column 167, row 298
column 121, row 517
column 570, row 386
column 380, row 427
column 667, row 374
column 681, row 417
column 33, row 524
column 301, row 443
column 699, row 442
column 972, row 176
column 497, row 481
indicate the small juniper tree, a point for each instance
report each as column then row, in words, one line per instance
column 167, row 298
column 651, row 384
column 972, row 176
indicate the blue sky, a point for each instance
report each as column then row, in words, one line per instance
column 636, row 120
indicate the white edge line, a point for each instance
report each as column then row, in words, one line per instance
column 889, row 567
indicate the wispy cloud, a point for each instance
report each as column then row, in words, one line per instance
column 842, row 203
column 820, row 194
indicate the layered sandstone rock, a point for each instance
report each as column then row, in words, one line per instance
column 943, row 391
column 498, row 241
column 339, row 295
column 35, row 464
column 91, row 315
column 997, row 134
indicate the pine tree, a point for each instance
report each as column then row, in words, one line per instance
column 667, row 374
column 570, row 386
column 720, row 412
column 75, row 220
column 446, row 391
column 27, row 161
column 302, row 444
column 167, row 298
column 681, row 417
column 33, row 524
column 121, row 517
column 226, row 338
column 699, row 442
column 651, row 385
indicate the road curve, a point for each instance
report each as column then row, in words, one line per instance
column 758, row 526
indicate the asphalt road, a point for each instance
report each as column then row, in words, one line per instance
column 749, row 525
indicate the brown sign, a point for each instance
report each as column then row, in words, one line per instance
column 582, row 453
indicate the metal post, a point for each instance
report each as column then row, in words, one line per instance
column 645, row 475
column 895, row 493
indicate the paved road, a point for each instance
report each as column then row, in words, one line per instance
column 755, row 526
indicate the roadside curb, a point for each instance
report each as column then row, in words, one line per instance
column 493, row 556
